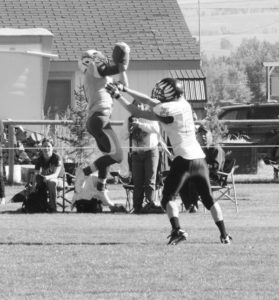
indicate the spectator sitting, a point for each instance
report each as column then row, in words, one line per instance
column 215, row 155
column 49, row 166
column 215, row 158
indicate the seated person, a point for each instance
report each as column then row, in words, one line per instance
column 49, row 166
column 215, row 158
column 214, row 154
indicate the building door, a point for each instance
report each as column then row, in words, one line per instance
column 58, row 97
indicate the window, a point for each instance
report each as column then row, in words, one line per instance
column 58, row 97
column 235, row 114
column 270, row 112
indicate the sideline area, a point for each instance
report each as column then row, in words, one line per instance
column 245, row 188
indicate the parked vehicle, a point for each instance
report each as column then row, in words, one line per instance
column 261, row 134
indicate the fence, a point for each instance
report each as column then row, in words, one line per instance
column 11, row 135
column 12, row 123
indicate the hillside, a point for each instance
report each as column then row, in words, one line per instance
column 223, row 23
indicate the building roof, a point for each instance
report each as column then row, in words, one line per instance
column 154, row 29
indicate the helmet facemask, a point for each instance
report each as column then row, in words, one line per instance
column 167, row 90
column 92, row 55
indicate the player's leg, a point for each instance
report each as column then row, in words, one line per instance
column 204, row 190
column 109, row 144
column 178, row 174
column 98, row 125
column 189, row 196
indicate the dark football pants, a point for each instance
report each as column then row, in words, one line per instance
column 98, row 125
column 177, row 182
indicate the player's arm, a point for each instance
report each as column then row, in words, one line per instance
column 103, row 70
column 136, row 112
column 143, row 98
column 131, row 108
column 109, row 70
column 121, row 58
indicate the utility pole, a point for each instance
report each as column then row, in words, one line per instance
column 199, row 20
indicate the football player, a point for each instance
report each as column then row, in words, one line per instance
column 97, row 72
column 175, row 115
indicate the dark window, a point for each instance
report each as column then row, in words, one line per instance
column 235, row 114
column 262, row 113
column 58, row 97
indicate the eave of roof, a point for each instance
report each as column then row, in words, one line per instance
column 154, row 29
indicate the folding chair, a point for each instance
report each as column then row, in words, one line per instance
column 68, row 177
column 224, row 186
column 127, row 183
column 275, row 166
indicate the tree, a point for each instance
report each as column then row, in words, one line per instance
column 74, row 140
column 225, row 82
column 249, row 58
column 218, row 130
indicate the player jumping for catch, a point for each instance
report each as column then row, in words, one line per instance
column 97, row 72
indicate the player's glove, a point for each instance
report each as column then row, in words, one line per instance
column 112, row 90
column 121, row 55
column 121, row 87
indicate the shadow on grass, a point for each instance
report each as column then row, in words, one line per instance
column 62, row 244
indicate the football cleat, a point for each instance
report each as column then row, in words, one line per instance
column 79, row 180
column 103, row 196
column 193, row 209
column 177, row 236
column 226, row 240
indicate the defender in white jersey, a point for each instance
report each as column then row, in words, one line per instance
column 175, row 115
column 97, row 72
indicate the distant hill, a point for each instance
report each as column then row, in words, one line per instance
column 224, row 24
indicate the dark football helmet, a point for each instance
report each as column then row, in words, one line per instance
column 167, row 89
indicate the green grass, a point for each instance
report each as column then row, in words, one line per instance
column 119, row 256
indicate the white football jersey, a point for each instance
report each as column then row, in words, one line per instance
column 181, row 132
column 94, row 87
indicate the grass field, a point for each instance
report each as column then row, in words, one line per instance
column 123, row 256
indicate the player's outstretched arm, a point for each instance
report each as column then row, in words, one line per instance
column 114, row 92
column 143, row 98
column 123, row 78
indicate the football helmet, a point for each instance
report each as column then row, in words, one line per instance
column 167, row 89
column 92, row 55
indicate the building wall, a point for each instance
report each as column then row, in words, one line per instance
column 24, row 60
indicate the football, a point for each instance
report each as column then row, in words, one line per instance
column 120, row 54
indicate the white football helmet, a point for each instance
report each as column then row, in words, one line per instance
column 91, row 55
